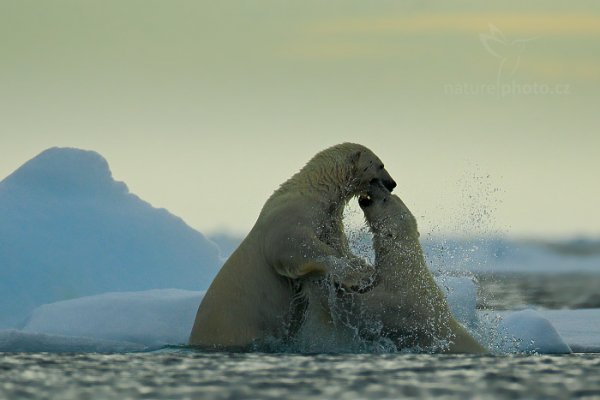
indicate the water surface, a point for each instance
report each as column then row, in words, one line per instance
column 184, row 374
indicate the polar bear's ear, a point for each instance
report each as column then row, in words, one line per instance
column 355, row 156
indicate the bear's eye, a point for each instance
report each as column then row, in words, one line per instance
column 381, row 166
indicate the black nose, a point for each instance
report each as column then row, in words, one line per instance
column 389, row 184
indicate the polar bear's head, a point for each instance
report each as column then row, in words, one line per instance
column 370, row 171
column 387, row 215
column 344, row 170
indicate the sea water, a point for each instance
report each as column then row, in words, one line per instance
column 186, row 374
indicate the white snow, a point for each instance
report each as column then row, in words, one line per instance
column 152, row 318
column 68, row 230
column 579, row 328
column 527, row 331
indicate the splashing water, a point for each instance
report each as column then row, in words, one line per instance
column 445, row 258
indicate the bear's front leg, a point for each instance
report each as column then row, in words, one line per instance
column 299, row 253
column 353, row 274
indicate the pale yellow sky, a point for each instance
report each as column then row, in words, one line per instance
column 486, row 114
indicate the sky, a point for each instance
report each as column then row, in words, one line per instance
column 485, row 114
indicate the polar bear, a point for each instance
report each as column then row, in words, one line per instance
column 406, row 305
column 299, row 233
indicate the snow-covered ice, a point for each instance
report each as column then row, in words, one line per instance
column 527, row 331
column 579, row 328
column 12, row 340
column 68, row 230
column 110, row 322
column 153, row 318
